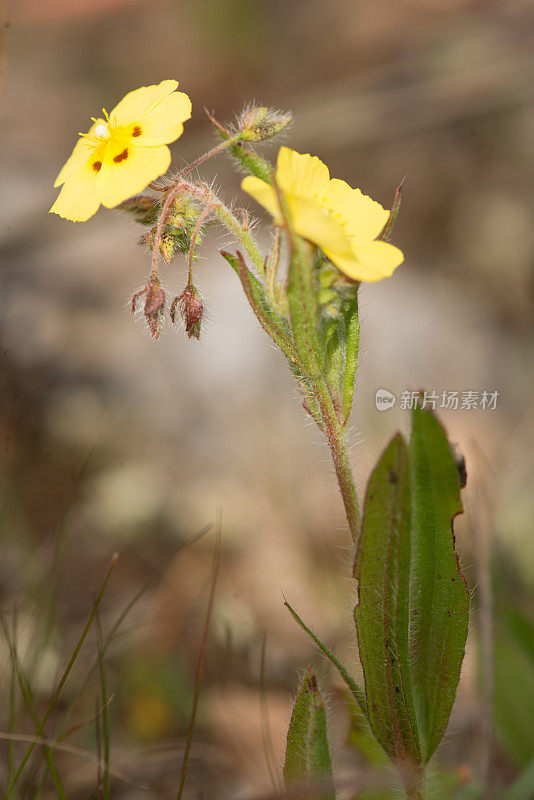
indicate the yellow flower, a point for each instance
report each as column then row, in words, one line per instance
column 121, row 154
column 340, row 220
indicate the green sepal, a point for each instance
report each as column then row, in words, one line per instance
column 143, row 208
column 303, row 307
column 251, row 161
column 339, row 328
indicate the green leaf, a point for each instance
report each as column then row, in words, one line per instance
column 362, row 738
column 523, row 787
column 382, row 569
column 514, row 687
column 271, row 321
column 349, row 680
column 307, row 761
column 296, row 763
column 412, row 613
column 320, row 761
column 439, row 597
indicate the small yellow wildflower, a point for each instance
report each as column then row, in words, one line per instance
column 340, row 220
column 121, row 154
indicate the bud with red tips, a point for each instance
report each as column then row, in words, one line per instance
column 191, row 309
column 259, row 123
column 154, row 305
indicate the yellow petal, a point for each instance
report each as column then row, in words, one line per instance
column 264, row 194
column 81, row 154
column 136, row 104
column 78, row 199
column 163, row 124
column 311, row 222
column 302, row 175
column 362, row 217
column 128, row 169
column 370, row 261
column 308, row 219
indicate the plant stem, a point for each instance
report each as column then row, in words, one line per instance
column 338, row 448
column 318, row 386
column 208, row 198
column 303, row 312
column 230, row 221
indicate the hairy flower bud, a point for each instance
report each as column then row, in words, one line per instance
column 167, row 242
column 191, row 309
column 143, row 208
column 177, row 233
column 259, row 123
column 154, row 305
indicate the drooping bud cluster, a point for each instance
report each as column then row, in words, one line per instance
column 180, row 223
column 191, row 309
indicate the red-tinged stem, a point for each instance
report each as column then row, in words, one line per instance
column 200, row 220
column 207, row 198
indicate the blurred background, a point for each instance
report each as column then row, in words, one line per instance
column 114, row 443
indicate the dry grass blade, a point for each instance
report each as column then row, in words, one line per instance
column 19, row 676
column 104, row 719
column 116, row 626
column 98, row 738
column 202, row 655
column 61, row 684
column 266, row 737
column 69, row 749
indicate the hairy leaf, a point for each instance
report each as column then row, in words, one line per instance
column 382, row 569
column 439, row 598
column 308, row 762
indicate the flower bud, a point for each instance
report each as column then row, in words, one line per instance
column 143, row 208
column 259, row 123
column 167, row 242
column 154, row 305
column 191, row 309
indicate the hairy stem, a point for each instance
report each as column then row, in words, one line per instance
column 208, row 198
column 303, row 313
column 338, row 448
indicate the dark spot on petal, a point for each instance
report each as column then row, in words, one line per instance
column 121, row 156
column 97, row 165
column 137, row 131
